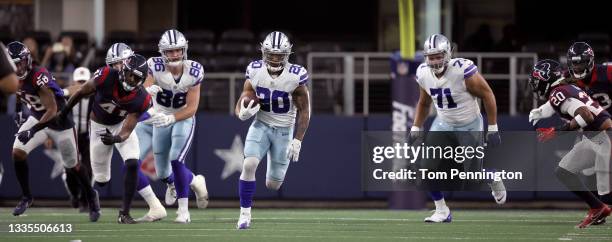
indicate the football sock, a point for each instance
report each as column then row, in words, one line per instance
column 129, row 184
column 182, row 179
column 23, row 176
column 183, row 204
column 246, row 189
column 575, row 185
column 148, row 195
column 143, row 181
column 84, row 181
column 607, row 199
column 168, row 180
column 72, row 183
column 436, row 195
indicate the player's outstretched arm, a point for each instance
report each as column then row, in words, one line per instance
column 84, row 90
column 128, row 126
column 193, row 101
column 302, row 102
column 478, row 86
column 247, row 89
column 422, row 108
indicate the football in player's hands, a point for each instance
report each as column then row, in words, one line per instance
column 246, row 99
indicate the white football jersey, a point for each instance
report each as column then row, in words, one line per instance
column 455, row 105
column 174, row 94
column 275, row 94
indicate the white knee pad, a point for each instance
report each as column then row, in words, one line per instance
column 248, row 169
column 273, row 185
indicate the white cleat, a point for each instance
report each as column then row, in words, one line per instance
column 244, row 222
column 198, row 185
column 498, row 190
column 183, row 217
column 440, row 216
column 155, row 214
column 170, row 194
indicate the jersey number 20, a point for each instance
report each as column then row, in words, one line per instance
column 271, row 100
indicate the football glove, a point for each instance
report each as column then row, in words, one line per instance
column 493, row 138
column 108, row 138
column 249, row 111
column 153, row 89
column 416, row 135
column 293, row 150
column 25, row 136
column 542, row 112
column 162, row 120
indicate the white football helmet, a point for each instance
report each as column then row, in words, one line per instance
column 171, row 40
column 118, row 52
column 436, row 44
column 275, row 51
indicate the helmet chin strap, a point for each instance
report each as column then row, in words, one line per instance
column 126, row 87
column 22, row 77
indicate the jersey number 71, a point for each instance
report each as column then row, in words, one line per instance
column 446, row 92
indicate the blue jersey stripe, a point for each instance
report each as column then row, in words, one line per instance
column 470, row 68
column 469, row 74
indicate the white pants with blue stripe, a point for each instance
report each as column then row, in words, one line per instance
column 264, row 139
column 168, row 143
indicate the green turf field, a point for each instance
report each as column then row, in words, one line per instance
column 315, row 225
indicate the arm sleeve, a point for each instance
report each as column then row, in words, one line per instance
column 570, row 105
column 547, row 110
column 101, row 75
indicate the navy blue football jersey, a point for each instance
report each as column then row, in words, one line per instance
column 599, row 85
column 111, row 103
column 561, row 94
column 36, row 79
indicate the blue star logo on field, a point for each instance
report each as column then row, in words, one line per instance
column 232, row 157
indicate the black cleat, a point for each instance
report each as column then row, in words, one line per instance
column 21, row 207
column 599, row 222
column 125, row 219
column 94, row 207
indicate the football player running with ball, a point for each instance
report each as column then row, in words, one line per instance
column 593, row 150
column 280, row 88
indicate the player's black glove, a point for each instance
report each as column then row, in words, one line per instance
column 108, row 138
column 25, row 136
column 493, row 139
column 416, row 135
column 20, row 118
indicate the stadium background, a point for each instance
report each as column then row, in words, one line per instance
column 346, row 47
